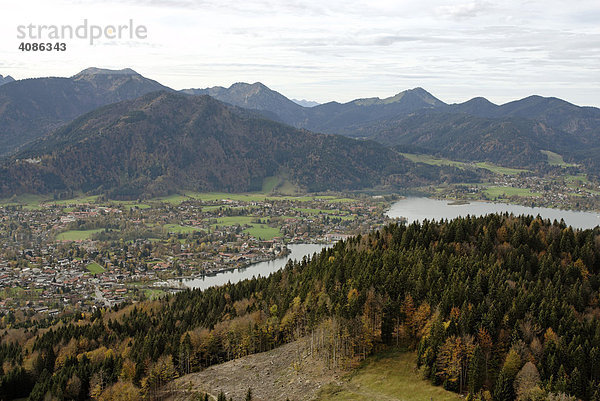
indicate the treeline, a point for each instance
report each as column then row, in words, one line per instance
column 499, row 307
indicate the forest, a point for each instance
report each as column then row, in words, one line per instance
column 498, row 308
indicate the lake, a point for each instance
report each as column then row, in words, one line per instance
column 418, row 209
column 297, row 252
column 413, row 209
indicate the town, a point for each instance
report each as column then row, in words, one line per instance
column 87, row 253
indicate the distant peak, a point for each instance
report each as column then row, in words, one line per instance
column 256, row 85
column 104, row 71
column 418, row 89
column 480, row 100
column 411, row 93
column 6, row 79
column 306, row 103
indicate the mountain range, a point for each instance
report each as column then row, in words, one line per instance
column 163, row 141
column 30, row 108
column 306, row 103
column 6, row 79
column 513, row 134
column 119, row 132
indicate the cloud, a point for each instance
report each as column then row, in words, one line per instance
column 464, row 10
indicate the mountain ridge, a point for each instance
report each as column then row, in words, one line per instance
column 552, row 124
column 31, row 108
column 164, row 141
column 6, row 79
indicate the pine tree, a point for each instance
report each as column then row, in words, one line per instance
column 503, row 391
column 476, row 370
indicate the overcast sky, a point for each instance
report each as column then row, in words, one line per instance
column 329, row 49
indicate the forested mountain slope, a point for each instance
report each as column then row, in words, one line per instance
column 163, row 142
column 513, row 134
column 497, row 306
column 31, row 108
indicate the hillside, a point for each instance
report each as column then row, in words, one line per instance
column 290, row 372
column 509, row 141
column 162, row 142
column 31, row 108
column 495, row 306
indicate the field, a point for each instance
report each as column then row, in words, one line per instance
column 389, row 376
column 576, row 179
column 129, row 204
column 263, row 232
column 75, row 201
column 77, row 235
column 95, row 268
column 177, row 229
column 432, row 160
column 439, row 161
column 279, row 185
column 154, row 293
column 257, row 230
column 499, row 169
column 505, row 192
column 554, row 159
column 284, row 191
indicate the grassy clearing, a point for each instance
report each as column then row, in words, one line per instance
column 264, row 232
column 27, row 201
column 389, row 376
column 79, row 200
column 95, row 268
column 178, row 229
column 284, row 189
column 506, row 192
column 77, row 235
column 257, row 230
column 128, row 205
column 280, row 185
column 218, row 196
column 432, row 160
column 316, row 211
column 554, row 159
column 576, row 179
column 270, row 183
column 440, row 161
column 259, row 197
column 235, row 220
column 174, row 199
column 152, row 293
column 499, row 169
column 30, row 201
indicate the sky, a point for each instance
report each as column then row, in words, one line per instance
column 328, row 49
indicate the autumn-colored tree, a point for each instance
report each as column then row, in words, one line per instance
column 121, row 391
column 449, row 363
column 527, row 383
column 161, row 372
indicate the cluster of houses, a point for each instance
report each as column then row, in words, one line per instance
column 44, row 273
